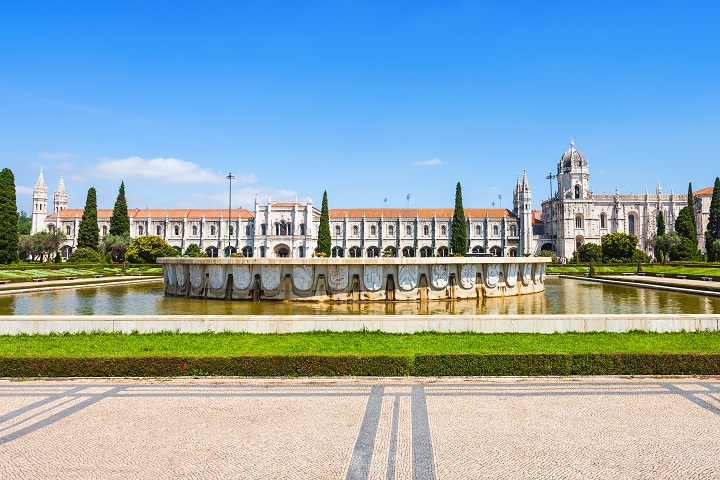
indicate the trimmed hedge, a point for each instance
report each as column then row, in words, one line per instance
column 367, row 365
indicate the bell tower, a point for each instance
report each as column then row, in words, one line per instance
column 60, row 199
column 39, row 211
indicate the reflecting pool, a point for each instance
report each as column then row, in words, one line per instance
column 562, row 296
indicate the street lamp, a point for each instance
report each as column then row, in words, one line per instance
column 230, row 177
column 551, row 177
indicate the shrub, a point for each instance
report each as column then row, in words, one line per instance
column 590, row 252
column 237, row 255
column 148, row 248
column 84, row 255
column 193, row 250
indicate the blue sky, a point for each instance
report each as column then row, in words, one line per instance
column 367, row 100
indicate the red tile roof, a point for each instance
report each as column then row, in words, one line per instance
column 446, row 213
column 705, row 191
column 171, row 213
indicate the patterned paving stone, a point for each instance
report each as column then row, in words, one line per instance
column 359, row 428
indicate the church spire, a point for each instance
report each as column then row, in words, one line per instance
column 41, row 180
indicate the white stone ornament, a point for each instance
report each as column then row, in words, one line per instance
column 196, row 275
column 302, row 277
column 338, row 276
column 372, row 277
column 512, row 274
column 270, row 277
column 537, row 274
column 542, row 272
column 493, row 275
column 241, row 277
column 527, row 274
column 407, row 277
column 439, row 276
column 468, row 274
column 171, row 277
column 216, row 274
column 180, row 272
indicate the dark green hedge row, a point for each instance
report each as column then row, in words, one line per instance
column 371, row 365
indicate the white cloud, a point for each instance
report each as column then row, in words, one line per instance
column 495, row 189
column 427, row 163
column 245, row 197
column 20, row 190
column 167, row 170
column 57, row 156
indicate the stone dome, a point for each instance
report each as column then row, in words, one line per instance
column 572, row 156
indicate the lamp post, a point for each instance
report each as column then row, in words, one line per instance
column 230, row 177
column 551, row 177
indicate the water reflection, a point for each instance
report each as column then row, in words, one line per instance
column 561, row 296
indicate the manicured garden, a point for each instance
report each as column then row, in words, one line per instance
column 52, row 271
column 710, row 270
column 359, row 353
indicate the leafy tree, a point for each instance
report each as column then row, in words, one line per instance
column 38, row 245
column 685, row 226
column 116, row 246
column 622, row 248
column 660, row 224
column 324, row 241
column 148, row 248
column 84, row 255
column 9, row 235
column 458, row 228
column 120, row 221
column 88, row 231
column 193, row 250
column 686, row 250
column 712, row 233
column 24, row 223
column 662, row 244
column 590, row 252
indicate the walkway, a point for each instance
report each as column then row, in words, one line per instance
column 575, row 428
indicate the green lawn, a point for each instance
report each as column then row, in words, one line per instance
column 361, row 343
column 28, row 272
column 649, row 268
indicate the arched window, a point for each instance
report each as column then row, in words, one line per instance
column 443, row 252
column 355, row 252
column 496, row 251
column 338, row 230
column 496, row 230
column 302, row 229
column 426, row 231
column 577, row 191
column 603, row 220
column 390, row 252
column 408, row 252
column 247, row 251
column 177, row 230
column 356, row 231
column 141, row 230
column 391, row 230
column 478, row 230
column 408, row 230
column 373, row 252
column 478, row 249
column 426, row 252
column 158, row 230
column 513, row 252
column 67, row 230
column 338, row 252
column 194, row 230
column 578, row 221
column 232, row 230
column 282, row 228
column 248, row 230
column 301, row 252
column 263, row 230
column 373, row 230
column 104, row 229
column 212, row 230
column 631, row 224
column 443, row 230
column 51, row 228
column 513, row 231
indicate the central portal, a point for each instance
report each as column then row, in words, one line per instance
column 282, row 251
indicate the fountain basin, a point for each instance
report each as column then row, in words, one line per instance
column 353, row 279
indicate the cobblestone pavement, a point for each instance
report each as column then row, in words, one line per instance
column 596, row 427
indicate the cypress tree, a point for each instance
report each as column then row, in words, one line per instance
column 9, row 236
column 660, row 224
column 712, row 233
column 324, row 242
column 88, row 231
column 691, row 204
column 458, row 229
column 120, row 222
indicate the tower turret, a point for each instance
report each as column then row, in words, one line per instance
column 524, row 213
column 60, row 199
column 39, row 205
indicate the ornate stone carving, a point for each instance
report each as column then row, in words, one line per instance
column 337, row 276
column 468, row 274
column 241, row 277
column 407, row 277
column 440, row 276
column 527, row 274
column 180, row 273
column 196, row 275
column 542, row 273
column 373, row 277
column 171, row 277
column 270, row 277
column 537, row 274
column 302, row 277
column 217, row 276
column 493, row 275
column 512, row 273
